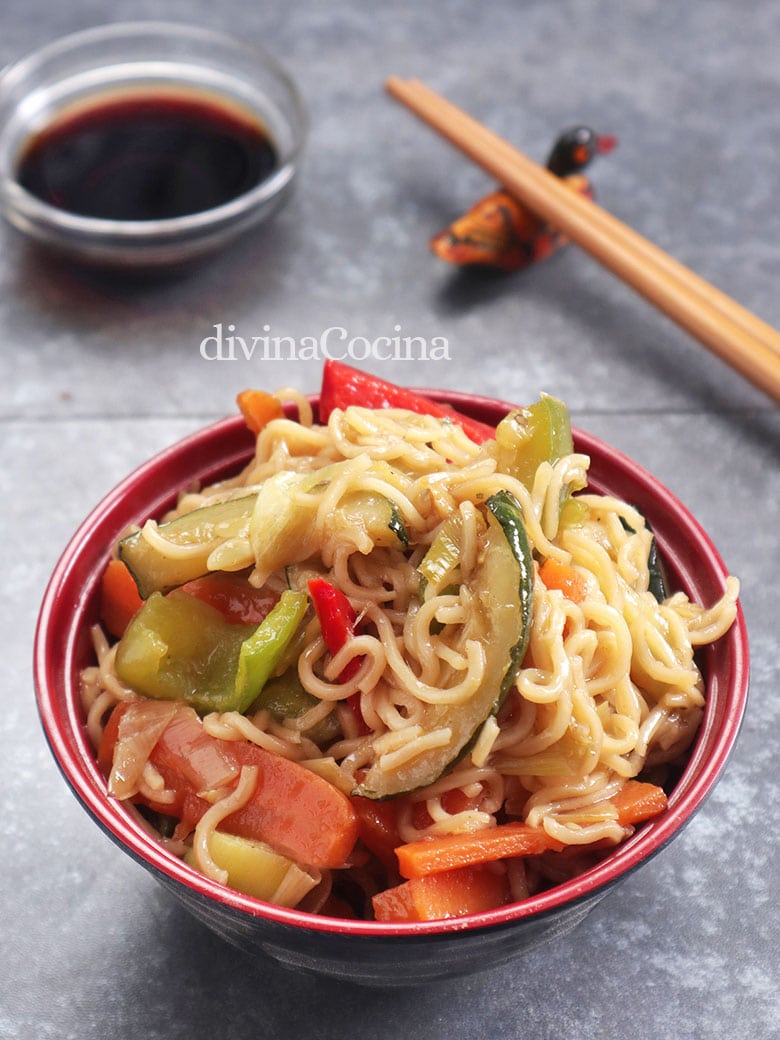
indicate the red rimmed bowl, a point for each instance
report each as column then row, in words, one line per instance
column 366, row 951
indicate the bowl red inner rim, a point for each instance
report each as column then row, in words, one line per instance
column 68, row 608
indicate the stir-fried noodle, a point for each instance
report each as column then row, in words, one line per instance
column 608, row 689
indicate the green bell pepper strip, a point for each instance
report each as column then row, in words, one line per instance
column 261, row 652
column 527, row 437
column 179, row 648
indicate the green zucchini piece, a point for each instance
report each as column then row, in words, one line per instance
column 502, row 595
column 268, row 529
column 658, row 583
column 374, row 514
column 256, row 869
column 193, row 537
column 506, row 510
column 397, row 525
column 527, row 437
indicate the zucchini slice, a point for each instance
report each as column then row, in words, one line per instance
column 178, row 550
column 501, row 592
column 267, row 528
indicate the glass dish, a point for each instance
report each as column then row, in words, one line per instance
column 145, row 56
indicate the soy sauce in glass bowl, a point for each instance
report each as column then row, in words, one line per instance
column 146, row 144
column 147, row 156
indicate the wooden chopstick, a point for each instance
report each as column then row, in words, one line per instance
column 736, row 335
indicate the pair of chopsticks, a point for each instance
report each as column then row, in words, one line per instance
column 737, row 336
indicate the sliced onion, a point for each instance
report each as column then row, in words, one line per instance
column 141, row 726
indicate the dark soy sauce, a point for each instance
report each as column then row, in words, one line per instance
column 147, row 156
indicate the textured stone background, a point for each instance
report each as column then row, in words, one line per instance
column 97, row 376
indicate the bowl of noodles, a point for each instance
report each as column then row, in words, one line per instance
column 391, row 686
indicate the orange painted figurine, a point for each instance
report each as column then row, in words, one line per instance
column 498, row 231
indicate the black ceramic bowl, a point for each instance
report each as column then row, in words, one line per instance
column 366, row 951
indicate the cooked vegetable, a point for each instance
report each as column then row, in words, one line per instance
column 337, row 620
column 499, row 618
column 192, row 538
column 282, row 529
column 562, row 576
column 258, row 408
column 657, row 584
column 431, row 855
column 440, row 567
column 233, row 597
column 372, row 515
column 378, row 829
column 635, row 802
column 343, row 386
column 338, row 624
column 179, row 648
column 285, row 697
column 119, row 599
column 657, row 581
column 293, row 810
column 527, row 437
column 261, row 652
column 254, row 868
column 452, row 893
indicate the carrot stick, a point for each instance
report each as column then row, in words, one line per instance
column 292, row 809
column 451, row 893
column 119, row 598
column 431, row 855
column 258, row 408
column 636, row 801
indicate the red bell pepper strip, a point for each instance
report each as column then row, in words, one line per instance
column 338, row 622
column 343, row 385
column 233, row 596
column 378, row 829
